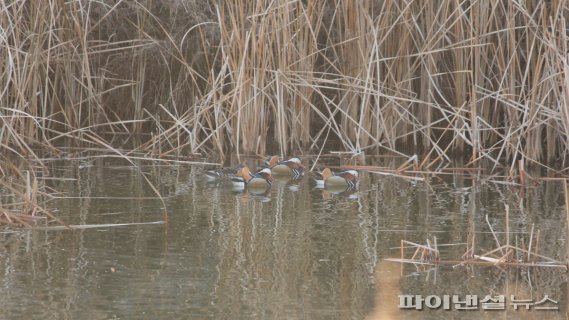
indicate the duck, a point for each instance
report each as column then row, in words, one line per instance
column 343, row 178
column 291, row 167
column 217, row 174
column 260, row 179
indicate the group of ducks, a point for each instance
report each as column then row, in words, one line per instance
column 261, row 179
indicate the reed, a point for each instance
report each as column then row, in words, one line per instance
column 23, row 196
column 503, row 255
column 486, row 79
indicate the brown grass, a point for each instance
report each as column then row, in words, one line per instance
column 486, row 79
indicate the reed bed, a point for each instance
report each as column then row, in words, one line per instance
column 488, row 80
column 524, row 253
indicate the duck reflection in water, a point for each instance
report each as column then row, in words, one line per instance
column 343, row 192
column 291, row 183
column 256, row 195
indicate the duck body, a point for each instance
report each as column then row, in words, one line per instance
column 290, row 167
column 281, row 169
column 261, row 179
column 338, row 179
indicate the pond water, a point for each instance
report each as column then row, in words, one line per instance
column 296, row 252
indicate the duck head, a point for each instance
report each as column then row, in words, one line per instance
column 326, row 174
column 272, row 161
column 266, row 174
column 244, row 173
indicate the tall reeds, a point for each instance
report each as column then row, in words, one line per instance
column 483, row 78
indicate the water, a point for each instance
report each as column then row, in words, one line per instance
column 295, row 253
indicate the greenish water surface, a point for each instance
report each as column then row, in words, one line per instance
column 296, row 252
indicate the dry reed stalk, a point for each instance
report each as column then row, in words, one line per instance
column 536, row 247
column 457, row 263
column 507, row 225
column 566, row 191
